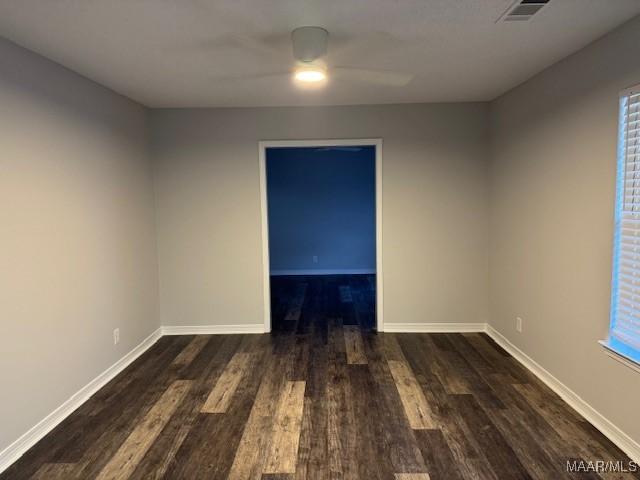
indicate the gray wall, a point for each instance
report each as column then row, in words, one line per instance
column 76, row 235
column 78, row 243
column 322, row 203
column 552, row 189
column 434, row 207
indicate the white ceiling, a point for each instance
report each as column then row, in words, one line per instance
column 170, row 53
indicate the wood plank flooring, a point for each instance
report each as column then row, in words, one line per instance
column 323, row 397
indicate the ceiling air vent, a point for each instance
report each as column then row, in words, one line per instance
column 522, row 10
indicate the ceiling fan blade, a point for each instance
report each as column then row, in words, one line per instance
column 344, row 49
column 256, row 45
column 233, row 41
column 274, row 48
column 231, row 15
column 249, row 77
column 380, row 77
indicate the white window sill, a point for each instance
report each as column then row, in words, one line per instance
column 619, row 356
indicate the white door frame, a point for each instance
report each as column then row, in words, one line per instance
column 262, row 159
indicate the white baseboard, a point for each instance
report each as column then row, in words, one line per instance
column 212, row 329
column 611, row 431
column 14, row 451
column 434, row 327
column 31, row 437
column 328, row 271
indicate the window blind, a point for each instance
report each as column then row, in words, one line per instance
column 625, row 311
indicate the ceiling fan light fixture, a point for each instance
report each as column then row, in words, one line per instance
column 310, row 74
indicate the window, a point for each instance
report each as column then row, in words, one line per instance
column 624, row 331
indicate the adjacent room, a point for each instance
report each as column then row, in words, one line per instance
column 321, row 222
column 320, row 240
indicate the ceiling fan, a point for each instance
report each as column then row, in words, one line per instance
column 310, row 48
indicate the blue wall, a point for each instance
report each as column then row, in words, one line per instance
column 321, row 203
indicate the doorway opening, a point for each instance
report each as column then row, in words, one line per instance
column 321, row 214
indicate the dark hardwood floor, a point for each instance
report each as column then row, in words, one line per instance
column 323, row 397
column 297, row 302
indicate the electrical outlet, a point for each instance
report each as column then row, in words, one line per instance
column 116, row 336
column 519, row 324
column 315, row 259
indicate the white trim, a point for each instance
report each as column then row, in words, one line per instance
column 611, row 431
column 435, row 327
column 262, row 146
column 630, row 91
column 212, row 329
column 326, row 271
column 379, row 244
column 14, row 451
column 619, row 357
column 264, row 213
